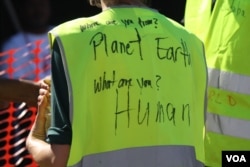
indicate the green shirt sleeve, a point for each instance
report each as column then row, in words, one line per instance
column 60, row 131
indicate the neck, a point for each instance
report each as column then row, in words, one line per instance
column 106, row 5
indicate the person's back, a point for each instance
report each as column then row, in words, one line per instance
column 129, row 71
column 131, row 88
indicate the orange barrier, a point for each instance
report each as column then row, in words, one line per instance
column 30, row 62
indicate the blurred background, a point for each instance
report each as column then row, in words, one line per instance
column 63, row 10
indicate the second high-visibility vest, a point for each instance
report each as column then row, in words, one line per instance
column 227, row 44
column 197, row 16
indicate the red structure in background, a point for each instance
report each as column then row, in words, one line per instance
column 16, row 120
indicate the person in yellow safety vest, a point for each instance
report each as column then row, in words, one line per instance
column 128, row 89
column 225, row 34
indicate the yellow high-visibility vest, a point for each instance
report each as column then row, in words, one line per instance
column 226, row 43
column 132, row 77
column 197, row 16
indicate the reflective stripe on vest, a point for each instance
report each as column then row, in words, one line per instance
column 228, row 126
column 229, row 81
column 228, row 118
column 113, row 107
column 144, row 157
column 228, row 94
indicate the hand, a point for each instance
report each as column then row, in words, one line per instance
column 42, row 122
column 46, row 91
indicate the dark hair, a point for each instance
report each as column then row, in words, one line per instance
column 95, row 3
column 98, row 2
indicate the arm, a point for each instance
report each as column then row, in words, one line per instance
column 18, row 91
column 55, row 151
column 44, row 154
